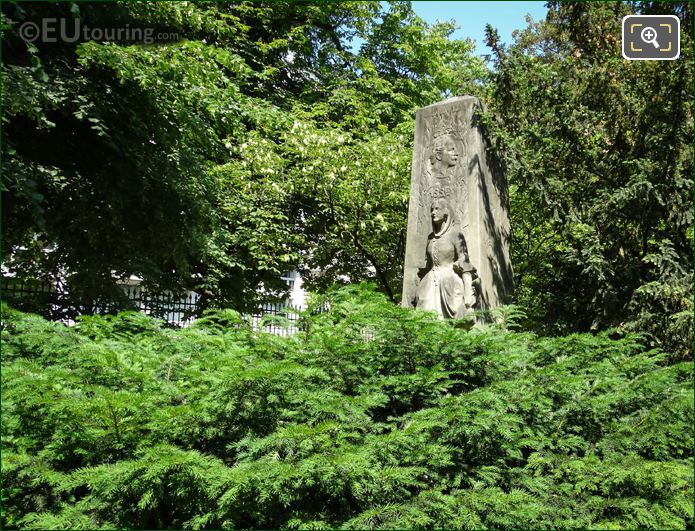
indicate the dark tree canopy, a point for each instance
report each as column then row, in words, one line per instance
column 257, row 142
column 599, row 154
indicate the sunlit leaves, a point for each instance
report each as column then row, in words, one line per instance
column 374, row 416
column 597, row 149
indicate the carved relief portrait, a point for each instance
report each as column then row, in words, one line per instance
column 443, row 174
column 444, row 156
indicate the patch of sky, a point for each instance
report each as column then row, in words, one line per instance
column 472, row 16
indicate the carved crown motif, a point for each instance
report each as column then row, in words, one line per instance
column 442, row 124
column 456, row 124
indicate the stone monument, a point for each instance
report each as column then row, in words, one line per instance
column 457, row 258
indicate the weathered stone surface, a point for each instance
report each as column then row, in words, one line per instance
column 458, row 244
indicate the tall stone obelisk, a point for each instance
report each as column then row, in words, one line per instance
column 458, row 244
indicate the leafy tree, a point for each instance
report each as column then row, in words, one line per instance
column 599, row 158
column 182, row 162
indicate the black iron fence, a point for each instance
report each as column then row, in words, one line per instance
column 278, row 319
column 176, row 310
column 52, row 301
column 34, row 296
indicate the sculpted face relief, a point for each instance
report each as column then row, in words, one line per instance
column 449, row 154
column 444, row 156
column 439, row 214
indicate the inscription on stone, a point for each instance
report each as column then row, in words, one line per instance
column 458, row 243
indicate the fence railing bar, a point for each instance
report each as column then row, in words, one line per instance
column 50, row 299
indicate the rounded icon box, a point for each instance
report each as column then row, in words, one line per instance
column 651, row 37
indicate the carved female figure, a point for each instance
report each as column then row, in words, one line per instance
column 446, row 284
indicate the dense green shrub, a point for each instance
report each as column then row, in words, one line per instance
column 373, row 417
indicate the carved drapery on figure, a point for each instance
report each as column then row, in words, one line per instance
column 457, row 250
column 447, row 282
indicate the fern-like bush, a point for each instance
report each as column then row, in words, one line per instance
column 372, row 417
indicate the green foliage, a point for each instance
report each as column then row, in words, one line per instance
column 372, row 417
column 262, row 140
column 256, row 143
column 599, row 156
